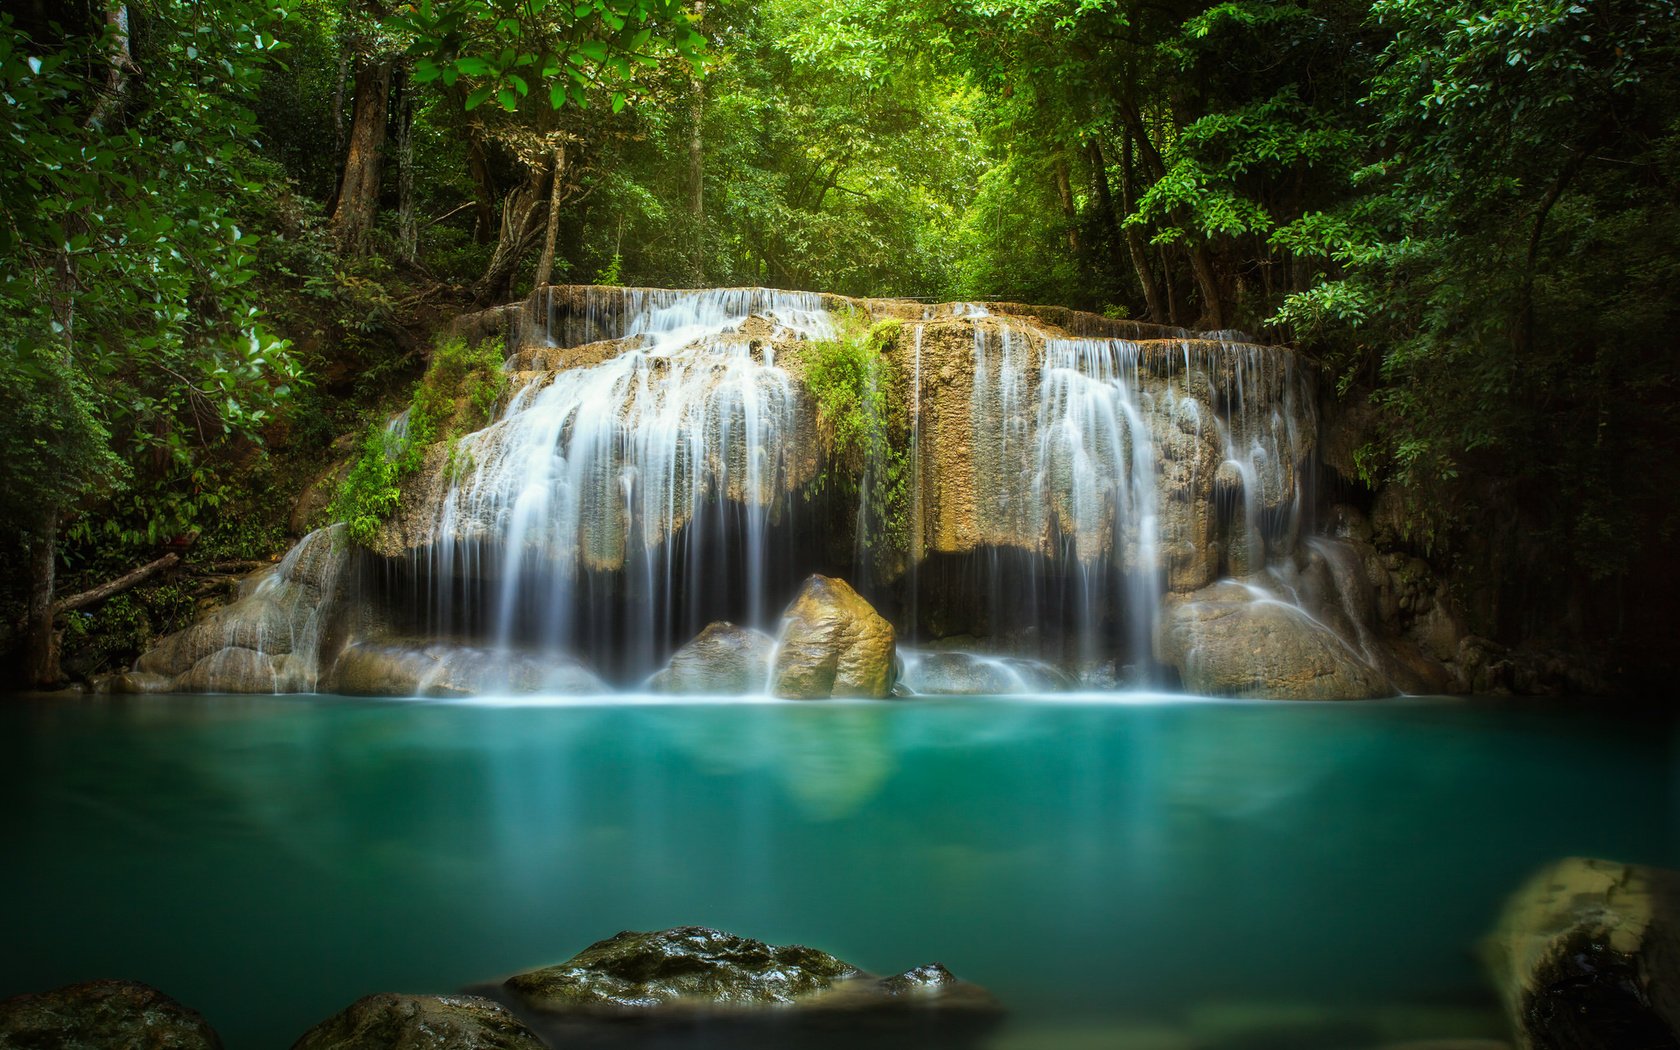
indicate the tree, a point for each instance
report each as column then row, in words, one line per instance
column 132, row 345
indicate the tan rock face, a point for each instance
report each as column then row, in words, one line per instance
column 1225, row 641
column 833, row 643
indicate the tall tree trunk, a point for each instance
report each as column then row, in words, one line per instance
column 1157, row 309
column 358, row 191
column 1070, row 215
column 1207, row 282
column 408, row 226
column 42, row 635
column 697, row 162
column 545, row 262
column 522, row 223
column 1175, row 306
column 119, row 63
column 484, row 206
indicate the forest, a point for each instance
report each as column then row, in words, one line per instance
column 232, row 227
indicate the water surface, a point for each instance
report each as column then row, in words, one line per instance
column 1173, row 869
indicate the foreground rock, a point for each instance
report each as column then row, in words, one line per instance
column 444, row 669
column 103, row 1015
column 420, row 1022
column 833, row 643
column 737, row 991
column 1587, row 957
column 722, row 659
column 1226, row 641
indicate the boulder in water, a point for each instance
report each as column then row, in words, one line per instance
column 833, row 643
column 103, row 1015
column 420, row 1022
column 976, row 674
column 1587, row 957
column 744, row 992
column 686, row 966
column 1227, row 640
column 231, row 670
column 444, row 669
column 722, row 659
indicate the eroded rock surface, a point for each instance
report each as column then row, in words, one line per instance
column 446, row 669
column 1226, row 640
column 937, row 673
column 102, row 1015
column 421, row 1022
column 833, row 643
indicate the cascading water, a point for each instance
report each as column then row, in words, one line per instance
column 653, row 469
column 608, row 498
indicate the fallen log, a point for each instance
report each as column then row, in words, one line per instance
column 116, row 586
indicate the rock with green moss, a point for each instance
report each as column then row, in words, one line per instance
column 103, row 1015
column 1587, row 957
column 420, row 1022
column 833, row 643
column 744, row 992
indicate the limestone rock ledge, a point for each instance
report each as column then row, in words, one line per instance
column 1229, row 640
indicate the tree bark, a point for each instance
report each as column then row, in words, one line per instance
column 697, row 162
column 118, row 585
column 358, row 193
column 41, row 667
column 408, row 226
column 1064, row 192
column 1207, row 282
column 521, row 225
column 119, row 64
column 545, row 262
column 1157, row 309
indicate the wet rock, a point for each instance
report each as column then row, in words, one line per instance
column 744, row 992
column 974, row 674
column 102, row 1015
column 722, row 659
column 686, row 966
column 421, row 1022
column 1587, row 957
column 1226, row 641
column 231, row 670
column 445, row 669
column 833, row 643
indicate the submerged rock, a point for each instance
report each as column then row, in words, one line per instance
column 1587, row 957
column 686, row 966
column 976, row 674
column 833, row 643
column 722, row 659
column 444, row 669
column 103, row 1015
column 420, row 1022
column 725, row 990
column 1227, row 640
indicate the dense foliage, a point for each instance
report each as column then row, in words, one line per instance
column 232, row 227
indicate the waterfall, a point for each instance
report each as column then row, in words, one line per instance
column 664, row 463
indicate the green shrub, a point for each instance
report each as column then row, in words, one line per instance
column 457, row 394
